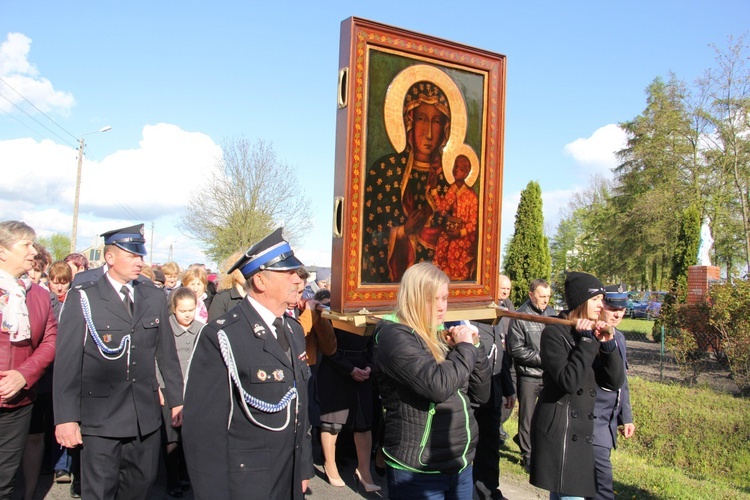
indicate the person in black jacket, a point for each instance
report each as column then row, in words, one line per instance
column 427, row 380
column 523, row 345
column 578, row 361
column 105, row 392
column 245, row 428
column 489, row 415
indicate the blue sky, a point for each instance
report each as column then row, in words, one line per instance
column 176, row 79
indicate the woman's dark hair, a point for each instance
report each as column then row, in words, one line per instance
column 322, row 295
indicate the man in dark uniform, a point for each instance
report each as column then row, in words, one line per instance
column 245, row 431
column 611, row 408
column 105, row 388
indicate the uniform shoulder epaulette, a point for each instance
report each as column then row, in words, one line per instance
column 225, row 320
column 84, row 285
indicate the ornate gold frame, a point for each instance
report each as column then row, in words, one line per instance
column 473, row 81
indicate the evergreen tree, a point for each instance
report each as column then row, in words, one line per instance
column 528, row 255
column 685, row 252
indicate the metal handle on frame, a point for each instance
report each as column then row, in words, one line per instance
column 338, row 216
column 343, row 96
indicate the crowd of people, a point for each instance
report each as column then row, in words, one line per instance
column 231, row 380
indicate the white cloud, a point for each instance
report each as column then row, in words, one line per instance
column 150, row 183
column 21, row 77
column 597, row 153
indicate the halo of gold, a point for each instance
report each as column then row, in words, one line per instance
column 449, row 157
column 393, row 114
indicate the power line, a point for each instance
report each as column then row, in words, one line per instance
column 37, row 121
column 40, row 111
column 40, row 136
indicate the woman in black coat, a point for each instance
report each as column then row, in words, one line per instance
column 578, row 361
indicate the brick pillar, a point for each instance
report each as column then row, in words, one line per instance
column 699, row 279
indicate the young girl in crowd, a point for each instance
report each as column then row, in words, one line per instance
column 196, row 280
column 185, row 328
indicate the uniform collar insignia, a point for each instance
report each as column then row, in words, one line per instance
column 259, row 330
column 220, row 321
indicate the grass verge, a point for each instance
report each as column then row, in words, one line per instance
column 689, row 443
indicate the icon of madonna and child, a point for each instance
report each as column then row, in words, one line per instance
column 420, row 203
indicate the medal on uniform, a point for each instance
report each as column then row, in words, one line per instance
column 262, row 375
column 278, row 375
column 107, row 337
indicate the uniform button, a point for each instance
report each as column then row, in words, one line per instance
column 575, row 437
column 591, row 416
column 89, row 393
column 574, row 414
column 134, row 381
column 580, row 391
column 589, row 439
column 242, row 466
column 593, row 393
column 134, row 363
column 132, row 331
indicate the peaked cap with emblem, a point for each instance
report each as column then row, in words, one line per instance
column 616, row 296
column 129, row 239
column 272, row 253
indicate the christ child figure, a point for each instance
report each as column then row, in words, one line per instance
column 456, row 250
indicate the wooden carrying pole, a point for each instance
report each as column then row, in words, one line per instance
column 535, row 318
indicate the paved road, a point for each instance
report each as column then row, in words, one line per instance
column 513, row 488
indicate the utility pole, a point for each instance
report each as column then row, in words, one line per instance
column 75, row 203
column 74, row 236
column 151, row 252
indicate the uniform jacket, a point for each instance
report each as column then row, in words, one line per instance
column 563, row 423
column 115, row 398
column 612, row 408
column 429, row 424
column 31, row 357
column 228, row 455
column 524, row 340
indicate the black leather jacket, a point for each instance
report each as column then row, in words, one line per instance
column 524, row 340
column 428, row 415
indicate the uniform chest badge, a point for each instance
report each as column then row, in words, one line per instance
column 107, row 337
column 258, row 330
column 303, row 356
column 262, row 375
column 278, row 375
column 156, row 321
column 220, row 321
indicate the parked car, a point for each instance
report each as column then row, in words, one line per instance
column 633, row 296
column 638, row 308
column 655, row 299
column 648, row 305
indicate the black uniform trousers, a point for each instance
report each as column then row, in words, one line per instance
column 14, row 428
column 122, row 468
column 487, row 458
column 604, row 479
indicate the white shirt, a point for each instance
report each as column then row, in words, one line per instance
column 267, row 316
column 117, row 286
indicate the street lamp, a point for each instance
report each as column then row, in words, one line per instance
column 74, row 236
